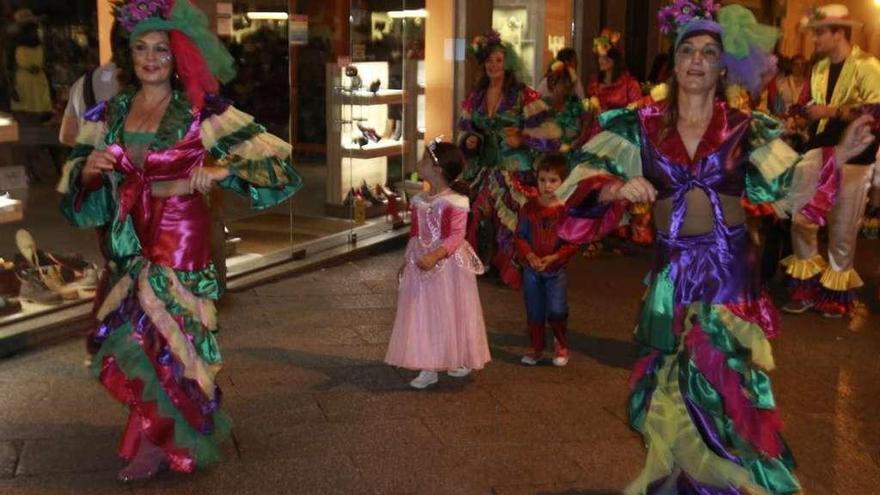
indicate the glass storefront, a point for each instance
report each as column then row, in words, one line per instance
column 344, row 81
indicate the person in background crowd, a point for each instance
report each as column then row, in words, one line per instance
column 792, row 83
column 502, row 123
column 96, row 85
column 841, row 81
column 615, row 88
column 567, row 111
column 567, row 56
column 30, row 92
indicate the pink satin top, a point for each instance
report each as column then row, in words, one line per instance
column 173, row 231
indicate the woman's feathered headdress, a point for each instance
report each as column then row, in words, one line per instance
column 747, row 44
column 201, row 60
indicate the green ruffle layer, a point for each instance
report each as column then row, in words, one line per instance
column 655, row 332
column 134, row 364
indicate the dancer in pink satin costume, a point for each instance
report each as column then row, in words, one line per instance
column 439, row 324
column 141, row 171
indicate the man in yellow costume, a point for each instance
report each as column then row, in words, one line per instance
column 845, row 79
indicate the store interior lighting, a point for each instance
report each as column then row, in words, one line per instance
column 400, row 14
column 267, row 16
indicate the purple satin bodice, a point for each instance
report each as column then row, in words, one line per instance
column 715, row 267
column 718, row 167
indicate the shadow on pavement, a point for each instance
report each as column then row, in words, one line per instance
column 610, row 352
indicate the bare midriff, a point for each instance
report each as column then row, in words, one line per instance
column 700, row 218
column 168, row 188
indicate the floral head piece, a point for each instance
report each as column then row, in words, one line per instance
column 679, row 13
column 559, row 70
column 483, row 45
column 201, row 60
column 607, row 39
column 747, row 44
column 130, row 14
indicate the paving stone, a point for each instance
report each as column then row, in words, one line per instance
column 8, row 459
column 92, row 483
column 68, row 455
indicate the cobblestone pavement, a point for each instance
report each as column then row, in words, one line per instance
column 317, row 411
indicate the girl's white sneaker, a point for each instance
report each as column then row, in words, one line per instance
column 459, row 372
column 424, row 380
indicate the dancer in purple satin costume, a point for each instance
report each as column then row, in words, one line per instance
column 699, row 393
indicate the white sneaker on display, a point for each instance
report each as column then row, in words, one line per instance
column 459, row 372
column 424, row 380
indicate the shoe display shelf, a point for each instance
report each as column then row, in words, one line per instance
column 8, row 128
column 357, row 152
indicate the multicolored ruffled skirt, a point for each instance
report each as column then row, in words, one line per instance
column 496, row 197
column 699, row 393
column 157, row 354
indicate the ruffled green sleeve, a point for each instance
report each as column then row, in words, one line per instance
column 617, row 150
column 773, row 161
column 87, row 207
column 257, row 161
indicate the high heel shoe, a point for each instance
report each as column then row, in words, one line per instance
column 374, row 86
column 369, row 133
column 369, row 196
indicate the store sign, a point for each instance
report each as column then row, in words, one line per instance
column 298, row 30
column 224, row 18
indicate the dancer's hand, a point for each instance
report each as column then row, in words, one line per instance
column 819, row 112
column 636, row 190
column 98, row 162
column 856, row 139
column 204, row 177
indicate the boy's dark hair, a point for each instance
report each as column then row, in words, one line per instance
column 554, row 162
column 566, row 55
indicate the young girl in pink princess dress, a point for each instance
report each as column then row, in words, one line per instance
column 439, row 324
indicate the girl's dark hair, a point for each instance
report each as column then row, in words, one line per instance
column 670, row 119
column 554, row 162
column 553, row 78
column 566, row 55
column 125, row 67
column 451, row 163
column 619, row 65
